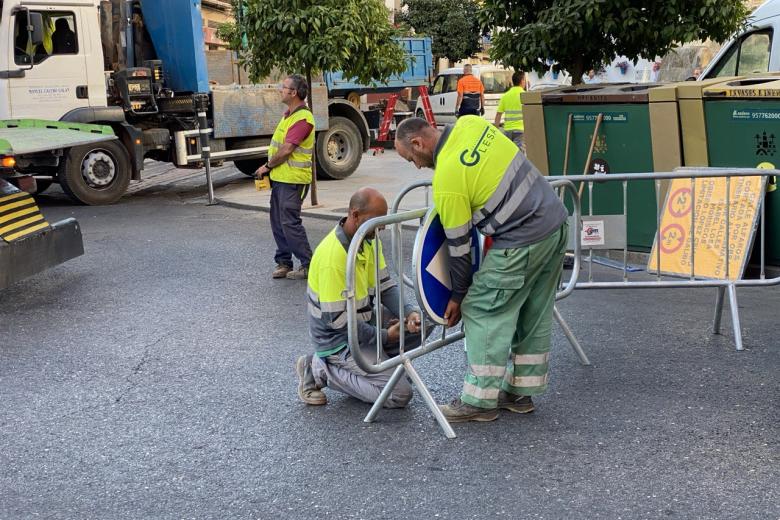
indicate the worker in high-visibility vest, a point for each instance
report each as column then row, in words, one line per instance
column 332, row 364
column 511, row 108
column 290, row 166
column 482, row 179
column 471, row 94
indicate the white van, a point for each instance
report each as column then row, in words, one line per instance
column 444, row 91
column 756, row 50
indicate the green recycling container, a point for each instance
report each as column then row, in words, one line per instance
column 742, row 120
column 639, row 132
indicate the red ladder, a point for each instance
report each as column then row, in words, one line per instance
column 387, row 118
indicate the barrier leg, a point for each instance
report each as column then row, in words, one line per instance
column 386, row 391
column 735, row 316
column 570, row 336
column 718, row 310
column 428, row 398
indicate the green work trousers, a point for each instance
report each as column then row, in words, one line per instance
column 507, row 315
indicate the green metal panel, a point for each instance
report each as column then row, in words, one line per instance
column 744, row 133
column 623, row 144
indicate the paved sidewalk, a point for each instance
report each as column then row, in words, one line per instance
column 387, row 172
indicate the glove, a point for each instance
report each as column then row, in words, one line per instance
column 482, row 111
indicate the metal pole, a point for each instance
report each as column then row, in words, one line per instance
column 385, row 394
column 202, row 105
column 693, row 228
column 718, row 310
column 728, row 226
column 735, row 316
column 658, row 228
column 570, row 336
column 428, row 398
column 377, row 297
column 625, row 243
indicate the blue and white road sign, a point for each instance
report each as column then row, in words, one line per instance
column 431, row 259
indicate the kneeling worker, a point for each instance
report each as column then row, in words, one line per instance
column 332, row 364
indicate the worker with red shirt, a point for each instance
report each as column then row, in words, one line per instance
column 471, row 94
column 290, row 166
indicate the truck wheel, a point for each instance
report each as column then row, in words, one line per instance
column 339, row 149
column 95, row 174
column 250, row 166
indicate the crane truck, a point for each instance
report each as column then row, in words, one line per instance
column 139, row 67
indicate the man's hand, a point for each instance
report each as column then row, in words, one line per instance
column 413, row 322
column 394, row 333
column 263, row 170
column 452, row 314
column 482, row 111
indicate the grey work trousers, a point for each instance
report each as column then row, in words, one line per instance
column 286, row 223
column 340, row 372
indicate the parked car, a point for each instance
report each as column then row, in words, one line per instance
column 444, row 91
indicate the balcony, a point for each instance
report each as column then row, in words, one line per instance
column 219, row 5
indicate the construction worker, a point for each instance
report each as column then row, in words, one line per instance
column 471, row 94
column 332, row 364
column 481, row 179
column 511, row 108
column 290, row 166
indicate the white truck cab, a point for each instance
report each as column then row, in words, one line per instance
column 757, row 50
column 65, row 71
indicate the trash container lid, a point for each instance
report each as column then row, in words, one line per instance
column 611, row 93
column 751, row 87
column 694, row 89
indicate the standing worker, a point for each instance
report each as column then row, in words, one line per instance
column 482, row 179
column 511, row 107
column 471, row 94
column 290, row 166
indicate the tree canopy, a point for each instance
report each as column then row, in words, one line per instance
column 453, row 25
column 353, row 36
column 584, row 34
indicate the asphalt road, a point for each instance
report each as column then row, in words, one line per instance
column 153, row 378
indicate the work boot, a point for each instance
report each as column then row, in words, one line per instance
column 458, row 411
column 307, row 387
column 515, row 403
column 281, row 271
column 298, row 274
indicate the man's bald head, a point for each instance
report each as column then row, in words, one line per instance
column 364, row 198
column 365, row 204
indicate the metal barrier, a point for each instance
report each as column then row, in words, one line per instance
column 402, row 363
column 664, row 281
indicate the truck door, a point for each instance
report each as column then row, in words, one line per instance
column 57, row 80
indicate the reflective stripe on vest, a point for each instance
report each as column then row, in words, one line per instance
column 297, row 169
column 327, row 280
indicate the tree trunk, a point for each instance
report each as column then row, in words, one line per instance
column 314, row 200
column 577, row 70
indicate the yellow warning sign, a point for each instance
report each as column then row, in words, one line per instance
column 695, row 215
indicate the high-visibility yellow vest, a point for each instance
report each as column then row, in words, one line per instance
column 327, row 278
column 469, row 166
column 512, row 108
column 297, row 168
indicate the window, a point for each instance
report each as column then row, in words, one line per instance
column 748, row 55
column 438, row 85
column 452, row 83
column 496, row 82
column 59, row 37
